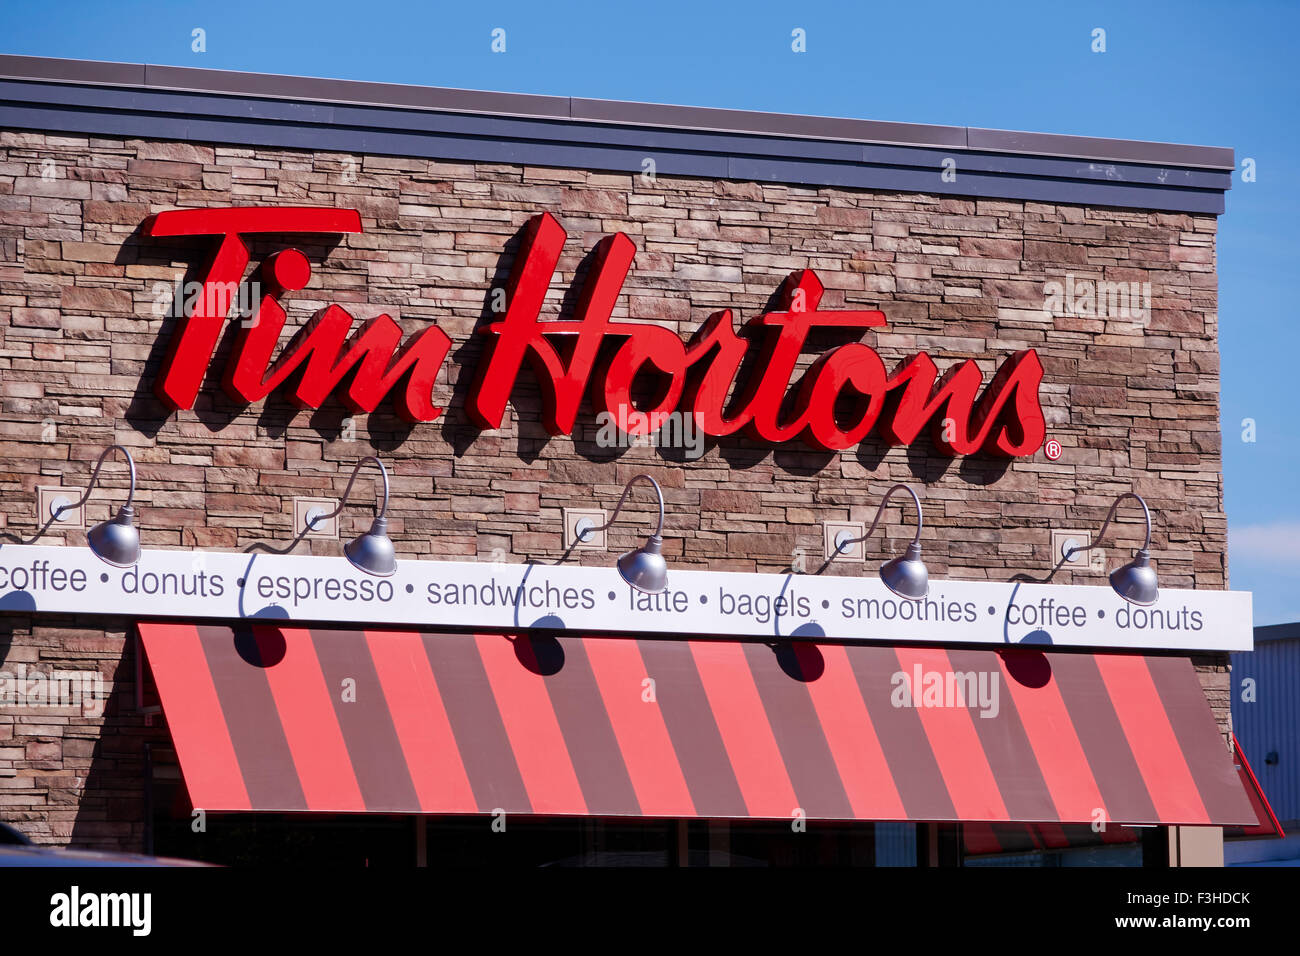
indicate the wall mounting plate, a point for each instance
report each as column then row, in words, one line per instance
column 595, row 517
column 1094, row 560
column 327, row 528
column 834, row 531
column 49, row 497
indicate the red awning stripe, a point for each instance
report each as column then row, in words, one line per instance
column 1057, row 752
column 952, row 738
column 1109, row 757
column 799, row 734
column 178, row 660
column 1003, row 740
column 637, row 721
column 697, row 742
column 1191, row 724
column 311, row 727
column 1267, row 824
column 912, row 763
column 529, row 718
column 377, row 756
column 850, row 734
column 746, row 733
column 238, row 663
column 429, row 747
column 485, row 748
column 1151, row 738
column 431, row 722
column 598, row 761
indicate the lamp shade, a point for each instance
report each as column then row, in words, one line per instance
column 645, row 568
column 116, row 542
column 373, row 552
column 1135, row 582
column 907, row 576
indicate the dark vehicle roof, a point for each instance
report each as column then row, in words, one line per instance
column 12, row 836
column 31, row 855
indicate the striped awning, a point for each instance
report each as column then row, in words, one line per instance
column 996, row 838
column 288, row 718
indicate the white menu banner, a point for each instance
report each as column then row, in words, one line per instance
column 209, row 585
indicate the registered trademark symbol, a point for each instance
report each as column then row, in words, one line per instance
column 1052, row 449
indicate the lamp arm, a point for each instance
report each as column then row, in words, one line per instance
column 383, row 508
column 916, row 538
column 1146, row 513
column 626, row 490
column 94, row 478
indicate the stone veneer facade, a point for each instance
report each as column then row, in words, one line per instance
column 1133, row 402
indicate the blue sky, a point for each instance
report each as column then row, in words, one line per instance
column 1190, row 72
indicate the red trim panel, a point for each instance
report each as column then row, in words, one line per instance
column 289, row 718
column 1268, row 825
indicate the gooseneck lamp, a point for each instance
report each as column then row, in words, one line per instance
column 115, row 542
column 644, row 568
column 905, row 575
column 372, row 552
column 1135, row 582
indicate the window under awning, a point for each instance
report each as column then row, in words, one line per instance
column 272, row 718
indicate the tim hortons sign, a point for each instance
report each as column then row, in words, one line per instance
column 837, row 402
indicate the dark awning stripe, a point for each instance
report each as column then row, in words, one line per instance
column 799, row 735
column 1003, row 740
column 529, row 720
column 635, row 716
column 584, row 721
column 1035, row 694
column 484, row 746
column 564, row 724
column 746, row 733
column 1151, row 738
column 1123, row 790
column 420, row 720
column 912, row 763
column 311, row 728
column 853, row 740
column 694, row 732
column 1191, row 724
column 237, row 661
column 365, row 720
column 951, row 732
